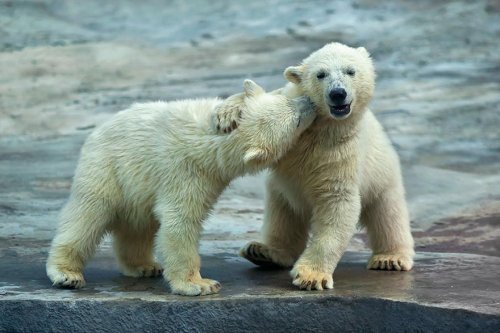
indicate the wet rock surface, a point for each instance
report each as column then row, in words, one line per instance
column 66, row 67
column 444, row 292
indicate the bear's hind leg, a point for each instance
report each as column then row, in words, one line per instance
column 388, row 226
column 284, row 233
column 82, row 226
column 134, row 249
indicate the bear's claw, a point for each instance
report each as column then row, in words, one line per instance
column 306, row 278
column 67, row 279
column 390, row 262
column 196, row 287
column 146, row 270
column 258, row 254
column 227, row 120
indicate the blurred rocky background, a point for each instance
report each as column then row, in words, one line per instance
column 67, row 66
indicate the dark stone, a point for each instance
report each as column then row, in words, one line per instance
column 308, row 314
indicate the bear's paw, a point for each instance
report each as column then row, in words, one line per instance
column 307, row 278
column 146, row 270
column 264, row 256
column 195, row 287
column 391, row 262
column 228, row 116
column 67, row 279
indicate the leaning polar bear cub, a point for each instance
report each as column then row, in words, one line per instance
column 343, row 170
column 158, row 168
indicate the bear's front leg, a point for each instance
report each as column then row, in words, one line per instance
column 177, row 242
column 332, row 226
column 388, row 226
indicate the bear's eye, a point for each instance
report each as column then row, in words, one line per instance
column 350, row 71
column 321, row 75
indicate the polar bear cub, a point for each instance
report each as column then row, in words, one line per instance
column 343, row 170
column 155, row 170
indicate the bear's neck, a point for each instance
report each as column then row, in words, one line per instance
column 337, row 131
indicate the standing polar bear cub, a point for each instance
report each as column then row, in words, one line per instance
column 158, row 168
column 343, row 170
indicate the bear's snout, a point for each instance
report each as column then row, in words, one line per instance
column 337, row 96
column 340, row 108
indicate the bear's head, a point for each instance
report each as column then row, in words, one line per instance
column 339, row 80
column 270, row 124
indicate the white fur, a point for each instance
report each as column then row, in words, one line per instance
column 157, row 169
column 341, row 171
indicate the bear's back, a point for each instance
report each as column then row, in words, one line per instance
column 193, row 116
column 147, row 144
column 145, row 123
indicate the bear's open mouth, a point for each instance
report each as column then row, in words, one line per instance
column 340, row 110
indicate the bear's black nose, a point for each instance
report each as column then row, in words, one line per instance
column 337, row 96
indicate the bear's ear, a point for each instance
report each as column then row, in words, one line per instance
column 252, row 89
column 255, row 155
column 363, row 51
column 294, row 74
